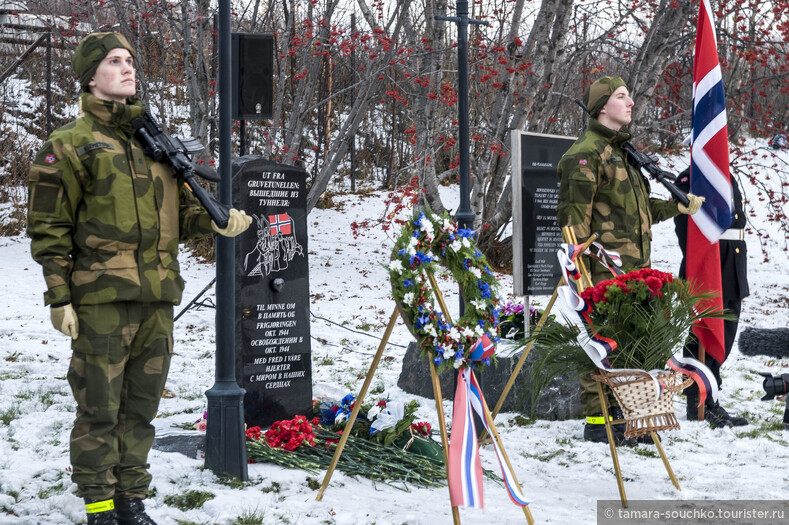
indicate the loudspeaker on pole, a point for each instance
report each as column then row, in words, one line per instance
column 253, row 76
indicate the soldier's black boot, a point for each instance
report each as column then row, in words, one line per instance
column 100, row 512
column 715, row 419
column 131, row 511
column 594, row 430
column 715, row 408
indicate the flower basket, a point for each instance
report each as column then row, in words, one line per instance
column 635, row 391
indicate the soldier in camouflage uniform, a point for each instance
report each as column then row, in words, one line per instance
column 600, row 192
column 105, row 222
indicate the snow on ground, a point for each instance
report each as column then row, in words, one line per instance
column 561, row 475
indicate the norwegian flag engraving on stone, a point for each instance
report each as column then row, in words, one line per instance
column 709, row 176
column 280, row 223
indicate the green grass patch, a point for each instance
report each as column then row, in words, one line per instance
column 325, row 361
column 192, row 499
column 253, row 517
column 522, row 421
column 274, row 487
column 546, row 457
column 48, row 492
column 232, row 482
column 313, row 483
column 770, row 429
column 6, row 416
column 645, row 452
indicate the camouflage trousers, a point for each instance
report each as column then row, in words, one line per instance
column 590, row 399
column 118, row 368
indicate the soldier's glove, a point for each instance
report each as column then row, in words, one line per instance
column 693, row 206
column 238, row 222
column 64, row 319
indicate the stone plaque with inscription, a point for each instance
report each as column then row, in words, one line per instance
column 273, row 361
column 535, row 190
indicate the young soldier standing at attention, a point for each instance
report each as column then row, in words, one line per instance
column 600, row 192
column 105, row 222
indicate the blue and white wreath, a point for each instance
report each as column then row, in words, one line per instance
column 426, row 243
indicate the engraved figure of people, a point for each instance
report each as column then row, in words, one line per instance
column 279, row 261
column 260, row 254
column 292, row 247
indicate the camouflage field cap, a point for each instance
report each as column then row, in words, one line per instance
column 596, row 95
column 91, row 51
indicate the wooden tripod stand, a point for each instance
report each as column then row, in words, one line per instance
column 584, row 282
column 439, row 408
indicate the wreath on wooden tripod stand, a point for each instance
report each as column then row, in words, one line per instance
column 428, row 243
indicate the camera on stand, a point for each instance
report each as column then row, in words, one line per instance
column 777, row 386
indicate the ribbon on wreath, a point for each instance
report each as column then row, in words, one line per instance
column 465, row 468
column 597, row 347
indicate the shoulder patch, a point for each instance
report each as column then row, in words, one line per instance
column 90, row 146
column 582, row 162
column 50, row 159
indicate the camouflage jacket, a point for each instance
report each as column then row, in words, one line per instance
column 105, row 220
column 601, row 192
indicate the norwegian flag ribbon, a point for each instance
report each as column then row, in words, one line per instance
column 464, row 471
column 709, row 178
column 598, row 348
column 482, row 349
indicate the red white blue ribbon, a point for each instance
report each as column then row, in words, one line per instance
column 596, row 347
column 465, row 467
column 482, row 349
column 700, row 373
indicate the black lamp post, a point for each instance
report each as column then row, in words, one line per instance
column 226, row 452
column 464, row 216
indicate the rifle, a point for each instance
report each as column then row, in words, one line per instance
column 649, row 163
column 172, row 151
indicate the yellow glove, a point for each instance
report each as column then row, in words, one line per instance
column 238, row 222
column 693, row 206
column 64, row 319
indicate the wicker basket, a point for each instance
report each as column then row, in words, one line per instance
column 635, row 391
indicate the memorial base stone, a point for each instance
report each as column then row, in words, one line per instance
column 557, row 401
column 189, row 443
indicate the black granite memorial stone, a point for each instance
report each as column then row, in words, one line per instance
column 536, row 234
column 273, row 360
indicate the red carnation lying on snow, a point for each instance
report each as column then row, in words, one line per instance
column 290, row 434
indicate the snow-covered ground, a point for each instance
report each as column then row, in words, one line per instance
column 561, row 475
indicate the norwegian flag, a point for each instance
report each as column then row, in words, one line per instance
column 709, row 177
column 280, row 223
